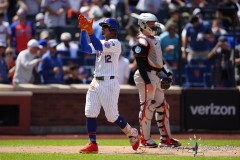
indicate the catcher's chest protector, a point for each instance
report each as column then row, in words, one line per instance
column 155, row 52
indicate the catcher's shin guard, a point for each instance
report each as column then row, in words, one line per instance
column 145, row 117
column 162, row 118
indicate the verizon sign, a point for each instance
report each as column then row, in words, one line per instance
column 211, row 109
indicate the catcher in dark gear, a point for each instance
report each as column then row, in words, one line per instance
column 151, row 87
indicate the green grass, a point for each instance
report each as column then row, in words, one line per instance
column 102, row 142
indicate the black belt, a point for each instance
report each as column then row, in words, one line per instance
column 102, row 78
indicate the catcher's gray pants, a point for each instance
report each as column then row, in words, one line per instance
column 150, row 102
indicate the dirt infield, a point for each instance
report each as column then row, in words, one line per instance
column 204, row 151
column 182, row 151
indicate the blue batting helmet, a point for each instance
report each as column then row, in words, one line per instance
column 111, row 23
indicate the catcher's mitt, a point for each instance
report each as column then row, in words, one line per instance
column 166, row 82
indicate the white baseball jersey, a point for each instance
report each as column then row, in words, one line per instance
column 107, row 60
column 105, row 92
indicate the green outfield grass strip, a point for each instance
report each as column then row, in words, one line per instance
column 24, row 156
column 104, row 142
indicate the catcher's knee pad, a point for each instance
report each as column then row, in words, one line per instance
column 147, row 109
column 162, row 118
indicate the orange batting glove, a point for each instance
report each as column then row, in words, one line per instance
column 85, row 24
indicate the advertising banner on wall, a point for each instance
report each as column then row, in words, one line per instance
column 217, row 109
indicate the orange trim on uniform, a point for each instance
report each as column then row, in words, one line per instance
column 152, row 37
column 164, row 116
column 146, row 104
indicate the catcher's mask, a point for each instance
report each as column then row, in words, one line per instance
column 147, row 17
column 110, row 23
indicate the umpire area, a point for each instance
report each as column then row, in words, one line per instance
column 29, row 109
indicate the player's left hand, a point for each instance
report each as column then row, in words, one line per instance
column 85, row 24
column 166, row 82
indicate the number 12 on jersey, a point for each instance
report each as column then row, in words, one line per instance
column 108, row 59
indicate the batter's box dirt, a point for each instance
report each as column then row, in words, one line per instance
column 184, row 151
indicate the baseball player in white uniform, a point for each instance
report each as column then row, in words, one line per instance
column 104, row 89
column 151, row 87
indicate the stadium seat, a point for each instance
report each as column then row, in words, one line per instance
column 207, row 79
column 176, row 76
column 195, row 76
column 172, row 62
column 202, row 62
column 173, row 66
